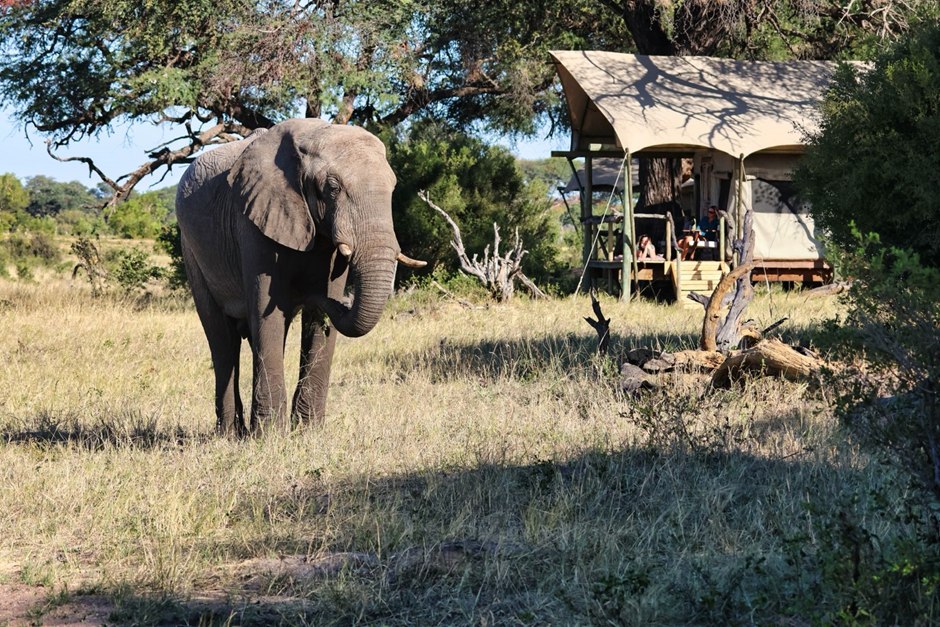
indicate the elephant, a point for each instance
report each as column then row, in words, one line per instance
column 271, row 226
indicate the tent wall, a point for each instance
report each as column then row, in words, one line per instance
column 783, row 228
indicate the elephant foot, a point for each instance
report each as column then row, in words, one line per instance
column 263, row 423
column 308, row 411
column 232, row 426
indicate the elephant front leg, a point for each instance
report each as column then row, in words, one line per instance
column 318, row 340
column 268, row 326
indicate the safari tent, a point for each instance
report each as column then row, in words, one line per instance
column 742, row 123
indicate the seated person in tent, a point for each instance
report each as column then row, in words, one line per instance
column 645, row 248
column 710, row 224
column 688, row 243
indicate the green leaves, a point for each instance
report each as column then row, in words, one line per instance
column 869, row 163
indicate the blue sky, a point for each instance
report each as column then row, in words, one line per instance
column 124, row 149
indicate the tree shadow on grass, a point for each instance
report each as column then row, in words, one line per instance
column 641, row 535
column 522, row 358
column 126, row 430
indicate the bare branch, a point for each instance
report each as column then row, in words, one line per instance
column 496, row 272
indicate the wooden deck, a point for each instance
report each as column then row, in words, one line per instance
column 693, row 276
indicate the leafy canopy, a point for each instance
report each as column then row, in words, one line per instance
column 871, row 162
column 477, row 184
column 72, row 68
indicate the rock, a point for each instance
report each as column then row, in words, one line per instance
column 633, row 379
column 639, row 356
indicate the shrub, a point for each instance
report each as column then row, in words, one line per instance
column 871, row 160
column 25, row 251
column 894, row 306
column 140, row 217
column 81, row 223
column 477, row 184
column 170, row 243
column 131, row 269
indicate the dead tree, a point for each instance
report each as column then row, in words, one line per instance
column 498, row 273
column 90, row 261
column 601, row 325
column 718, row 334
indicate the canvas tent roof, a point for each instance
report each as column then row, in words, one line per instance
column 604, row 172
column 670, row 104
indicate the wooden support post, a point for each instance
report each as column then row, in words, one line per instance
column 629, row 245
column 740, row 214
column 668, row 241
column 721, row 241
column 610, row 240
column 587, row 208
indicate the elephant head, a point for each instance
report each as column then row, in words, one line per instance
column 305, row 177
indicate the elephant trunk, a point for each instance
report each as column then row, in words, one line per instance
column 373, row 269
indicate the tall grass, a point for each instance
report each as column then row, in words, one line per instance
column 474, row 468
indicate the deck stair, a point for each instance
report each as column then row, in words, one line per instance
column 696, row 276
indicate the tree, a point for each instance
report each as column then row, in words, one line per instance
column 477, row 184
column 220, row 68
column 13, row 197
column 870, row 163
column 49, row 197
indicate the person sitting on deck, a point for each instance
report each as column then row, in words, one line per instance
column 711, row 224
column 645, row 248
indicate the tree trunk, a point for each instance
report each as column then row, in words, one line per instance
column 660, row 179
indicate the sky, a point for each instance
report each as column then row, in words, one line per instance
column 124, row 150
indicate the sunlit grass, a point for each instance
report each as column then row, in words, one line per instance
column 445, row 425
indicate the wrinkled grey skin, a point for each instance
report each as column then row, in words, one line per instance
column 261, row 220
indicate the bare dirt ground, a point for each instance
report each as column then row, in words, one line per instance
column 22, row 605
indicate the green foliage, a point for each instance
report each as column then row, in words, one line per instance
column 169, row 242
column 132, row 269
column 870, row 162
column 13, row 196
column 141, row 216
column 552, row 172
column 48, row 197
column 477, row 184
column 894, row 308
column 25, row 251
column 369, row 62
column 80, row 223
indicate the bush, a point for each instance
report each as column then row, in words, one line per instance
column 81, row 223
column 131, row 269
column 170, row 243
column 26, row 251
column 139, row 217
column 894, row 307
column 871, row 160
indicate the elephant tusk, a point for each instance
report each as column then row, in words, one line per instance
column 411, row 263
column 345, row 250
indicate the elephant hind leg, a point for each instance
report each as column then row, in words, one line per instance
column 317, row 342
column 225, row 340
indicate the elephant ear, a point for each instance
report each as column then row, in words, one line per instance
column 267, row 184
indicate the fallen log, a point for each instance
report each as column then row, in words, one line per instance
column 769, row 357
column 828, row 290
column 713, row 311
column 633, row 379
column 701, row 360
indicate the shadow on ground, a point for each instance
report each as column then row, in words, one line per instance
column 633, row 536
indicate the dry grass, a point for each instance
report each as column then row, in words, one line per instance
column 473, row 469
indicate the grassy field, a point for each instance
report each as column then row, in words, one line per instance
column 475, row 468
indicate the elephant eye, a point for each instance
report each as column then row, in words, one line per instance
column 331, row 187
